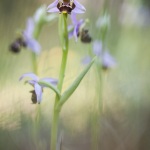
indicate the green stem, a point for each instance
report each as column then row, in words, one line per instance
column 100, row 89
column 34, row 63
column 64, row 39
column 54, row 129
column 62, row 70
column 63, row 33
column 36, row 33
column 97, row 112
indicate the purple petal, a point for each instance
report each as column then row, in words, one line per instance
column 29, row 28
column 28, row 37
column 50, row 80
column 80, row 22
column 30, row 75
column 53, row 10
column 32, row 82
column 33, row 45
column 77, row 29
column 70, row 31
column 70, row 34
column 73, row 18
column 52, row 5
column 75, row 32
column 78, row 11
column 86, row 60
column 108, row 61
column 38, row 91
column 97, row 48
column 79, row 7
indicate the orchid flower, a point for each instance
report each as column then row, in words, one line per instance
column 104, row 57
column 74, row 29
column 107, row 61
column 37, row 87
column 97, row 48
column 66, row 6
column 31, row 43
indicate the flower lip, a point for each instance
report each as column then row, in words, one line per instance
column 65, row 7
column 33, row 97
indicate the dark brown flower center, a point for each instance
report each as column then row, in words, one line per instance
column 66, row 6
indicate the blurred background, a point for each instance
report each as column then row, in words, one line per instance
column 125, row 123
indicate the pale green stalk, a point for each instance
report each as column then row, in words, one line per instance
column 63, row 33
column 99, row 104
column 36, row 33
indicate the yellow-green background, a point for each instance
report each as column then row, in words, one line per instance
column 125, row 124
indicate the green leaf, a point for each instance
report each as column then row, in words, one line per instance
column 74, row 85
column 45, row 84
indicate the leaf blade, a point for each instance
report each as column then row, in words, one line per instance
column 43, row 83
column 74, row 85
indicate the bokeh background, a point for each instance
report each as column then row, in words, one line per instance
column 125, row 123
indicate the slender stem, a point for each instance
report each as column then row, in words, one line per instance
column 63, row 33
column 34, row 63
column 100, row 89
column 54, row 130
column 64, row 39
column 36, row 33
column 97, row 112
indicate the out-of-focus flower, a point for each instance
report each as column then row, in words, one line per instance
column 97, row 48
column 104, row 57
column 28, row 37
column 75, row 28
column 85, row 36
column 103, row 24
column 15, row 47
column 40, row 14
column 40, row 17
column 38, row 89
column 103, row 21
column 66, row 6
column 107, row 61
column 33, row 28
